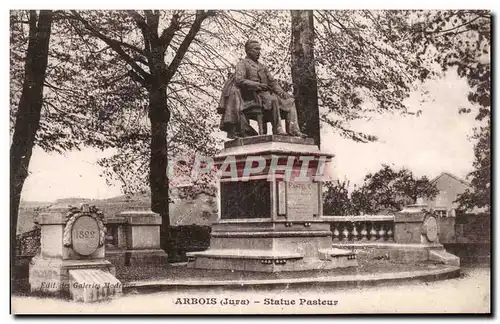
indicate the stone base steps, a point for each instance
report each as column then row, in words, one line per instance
column 404, row 252
column 330, row 279
column 269, row 260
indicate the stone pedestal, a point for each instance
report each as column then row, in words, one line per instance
column 270, row 209
column 135, row 239
column 72, row 240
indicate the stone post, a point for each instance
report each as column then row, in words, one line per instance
column 72, row 246
column 138, row 239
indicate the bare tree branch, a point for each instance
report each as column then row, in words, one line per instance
column 181, row 51
column 141, row 23
column 114, row 44
column 169, row 32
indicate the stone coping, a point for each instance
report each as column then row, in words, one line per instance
column 137, row 213
column 267, row 221
column 144, row 220
column 51, row 218
column 336, row 251
column 360, row 218
column 404, row 217
column 273, row 147
column 271, row 234
column 135, row 217
column 127, row 250
column 115, row 220
column 387, row 245
column 443, row 272
column 267, row 138
column 246, row 254
column 70, row 263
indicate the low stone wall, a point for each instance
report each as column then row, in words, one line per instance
column 471, row 228
column 465, row 236
column 471, row 253
column 184, row 238
column 447, row 232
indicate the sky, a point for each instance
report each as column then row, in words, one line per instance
column 436, row 141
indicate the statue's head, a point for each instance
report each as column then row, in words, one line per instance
column 252, row 48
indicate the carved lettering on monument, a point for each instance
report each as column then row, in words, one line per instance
column 300, row 201
column 85, row 235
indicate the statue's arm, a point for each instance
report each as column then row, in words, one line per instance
column 240, row 78
column 273, row 84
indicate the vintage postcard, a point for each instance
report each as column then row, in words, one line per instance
column 250, row 161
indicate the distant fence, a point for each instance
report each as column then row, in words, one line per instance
column 28, row 243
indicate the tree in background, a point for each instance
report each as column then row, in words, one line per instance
column 480, row 195
column 361, row 203
column 345, row 64
column 94, row 95
column 415, row 41
column 462, row 40
column 388, row 190
column 336, row 198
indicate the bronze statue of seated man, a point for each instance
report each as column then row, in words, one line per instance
column 252, row 93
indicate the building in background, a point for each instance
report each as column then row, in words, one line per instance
column 450, row 187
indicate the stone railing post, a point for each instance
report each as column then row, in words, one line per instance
column 407, row 228
column 136, row 238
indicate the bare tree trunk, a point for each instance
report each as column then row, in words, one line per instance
column 158, row 180
column 28, row 113
column 159, row 114
column 304, row 73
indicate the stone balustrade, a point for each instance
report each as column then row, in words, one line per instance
column 374, row 228
column 404, row 237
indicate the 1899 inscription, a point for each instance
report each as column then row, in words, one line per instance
column 85, row 236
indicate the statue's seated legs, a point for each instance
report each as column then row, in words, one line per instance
column 256, row 113
column 262, row 117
